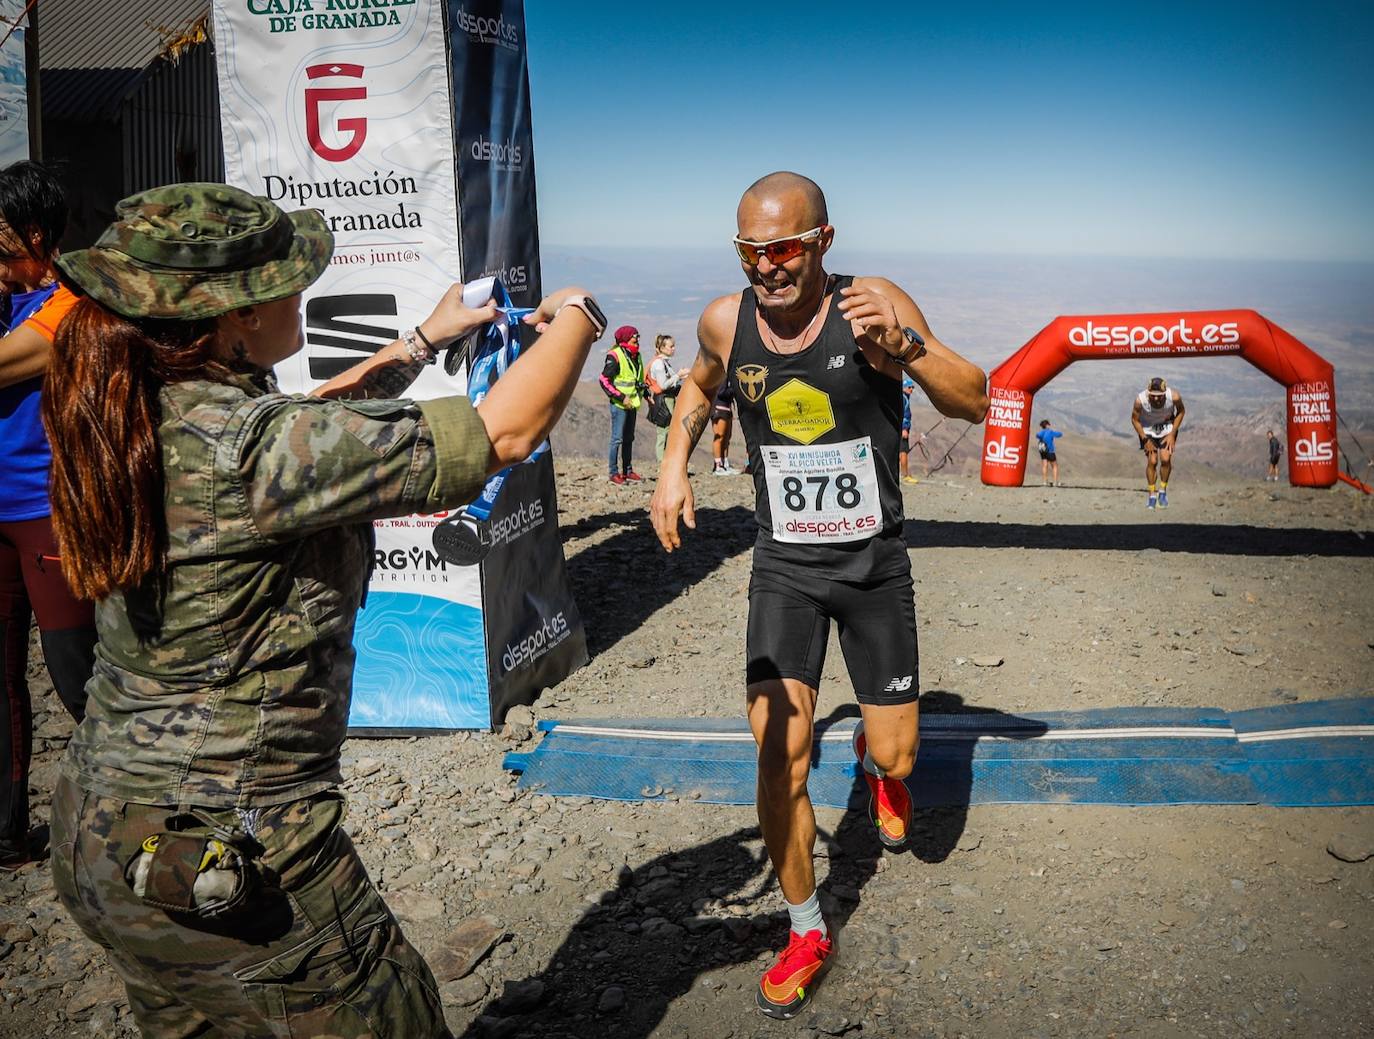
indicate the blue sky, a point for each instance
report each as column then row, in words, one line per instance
column 1159, row 130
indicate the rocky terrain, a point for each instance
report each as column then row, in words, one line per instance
column 556, row 918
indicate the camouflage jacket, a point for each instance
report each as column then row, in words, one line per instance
column 227, row 682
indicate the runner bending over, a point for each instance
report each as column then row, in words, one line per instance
column 816, row 360
column 1157, row 417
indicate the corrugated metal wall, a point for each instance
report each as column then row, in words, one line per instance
column 171, row 124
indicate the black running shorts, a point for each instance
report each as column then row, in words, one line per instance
column 789, row 624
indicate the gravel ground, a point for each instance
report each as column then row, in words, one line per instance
column 563, row 917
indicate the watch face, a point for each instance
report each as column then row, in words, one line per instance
column 594, row 311
column 913, row 337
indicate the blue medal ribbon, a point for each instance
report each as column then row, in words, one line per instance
column 498, row 346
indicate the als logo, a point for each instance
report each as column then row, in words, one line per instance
column 752, row 380
column 483, row 29
column 1310, row 449
column 504, row 155
column 324, row 326
column 1002, row 453
column 354, row 126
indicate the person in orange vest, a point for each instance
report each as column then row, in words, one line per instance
column 622, row 378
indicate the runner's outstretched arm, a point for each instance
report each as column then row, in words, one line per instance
column 878, row 309
column 691, row 417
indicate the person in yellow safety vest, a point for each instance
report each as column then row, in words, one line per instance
column 622, row 378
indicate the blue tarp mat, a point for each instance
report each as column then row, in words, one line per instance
column 1318, row 753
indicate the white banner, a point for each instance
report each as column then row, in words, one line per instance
column 14, row 91
column 346, row 108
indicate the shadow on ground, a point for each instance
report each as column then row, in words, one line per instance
column 623, row 580
column 644, row 939
column 1201, row 538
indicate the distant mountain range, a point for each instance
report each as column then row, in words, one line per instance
column 986, row 307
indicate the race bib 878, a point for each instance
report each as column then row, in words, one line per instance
column 823, row 493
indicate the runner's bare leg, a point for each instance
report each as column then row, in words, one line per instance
column 781, row 715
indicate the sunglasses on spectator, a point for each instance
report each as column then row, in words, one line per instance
column 778, row 250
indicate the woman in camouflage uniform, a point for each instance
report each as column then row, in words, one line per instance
column 225, row 531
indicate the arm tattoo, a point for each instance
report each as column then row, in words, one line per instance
column 695, row 423
column 387, row 381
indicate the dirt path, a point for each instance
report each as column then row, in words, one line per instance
column 637, row 920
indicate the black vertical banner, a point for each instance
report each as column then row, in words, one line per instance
column 533, row 629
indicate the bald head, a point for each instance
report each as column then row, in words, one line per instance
column 783, row 193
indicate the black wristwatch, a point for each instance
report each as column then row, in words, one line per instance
column 915, row 347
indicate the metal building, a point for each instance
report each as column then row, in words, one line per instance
column 128, row 100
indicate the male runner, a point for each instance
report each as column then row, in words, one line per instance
column 1157, row 417
column 817, row 361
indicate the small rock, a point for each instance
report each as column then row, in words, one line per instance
column 1219, row 591
column 520, row 715
column 465, row 991
column 1243, row 649
column 415, row 906
column 520, row 996
column 987, row 661
column 1238, row 944
column 98, row 990
column 425, row 849
column 464, row 948
column 411, row 877
column 830, row 1023
column 367, row 767
column 964, row 891
column 1345, row 846
column 611, row 1001
column 1338, row 925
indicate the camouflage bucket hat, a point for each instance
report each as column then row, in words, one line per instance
column 197, row 250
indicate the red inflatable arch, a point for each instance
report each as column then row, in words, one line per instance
column 1203, row 333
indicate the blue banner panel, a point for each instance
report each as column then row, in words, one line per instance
column 399, row 685
column 1318, row 753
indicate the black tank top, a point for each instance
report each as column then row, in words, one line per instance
column 823, row 429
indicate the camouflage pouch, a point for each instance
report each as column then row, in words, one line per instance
column 202, row 871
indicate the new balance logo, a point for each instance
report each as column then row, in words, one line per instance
column 898, row 685
column 834, row 362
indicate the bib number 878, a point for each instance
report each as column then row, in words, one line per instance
column 846, row 491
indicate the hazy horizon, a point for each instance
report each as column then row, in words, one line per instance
column 988, row 306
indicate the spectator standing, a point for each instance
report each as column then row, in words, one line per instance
column 722, row 424
column 906, row 443
column 622, row 377
column 1049, row 458
column 33, row 215
column 1275, row 453
column 664, row 383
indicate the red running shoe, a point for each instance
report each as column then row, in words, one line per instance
column 889, row 803
column 616, row 478
column 786, row 987
column 633, row 477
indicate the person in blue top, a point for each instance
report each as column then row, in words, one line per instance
column 33, row 215
column 1049, row 459
column 906, row 443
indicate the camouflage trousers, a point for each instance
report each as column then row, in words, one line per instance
column 317, row 953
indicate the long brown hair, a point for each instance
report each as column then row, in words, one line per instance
column 101, row 412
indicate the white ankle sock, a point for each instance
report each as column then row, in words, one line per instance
column 807, row 916
column 869, row 767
